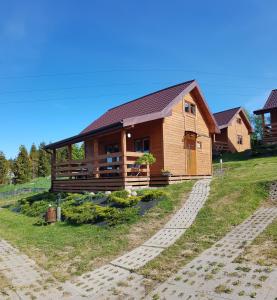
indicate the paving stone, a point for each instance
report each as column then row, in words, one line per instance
column 164, row 238
column 137, row 258
column 97, row 281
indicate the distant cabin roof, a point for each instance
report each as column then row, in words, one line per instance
column 270, row 103
column 224, row 118
column 151, row 103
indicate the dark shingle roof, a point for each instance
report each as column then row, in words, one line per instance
column 224, row 117
column 151, row 103
column 271, row 101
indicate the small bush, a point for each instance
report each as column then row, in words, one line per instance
column 123, row 202
column 121, row 194
column 122, row 216
column 85, row 213
column 153, row 195
column 37, row 209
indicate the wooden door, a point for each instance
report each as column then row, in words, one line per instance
column 191, row 155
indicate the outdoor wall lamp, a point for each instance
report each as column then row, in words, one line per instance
column 129, row 135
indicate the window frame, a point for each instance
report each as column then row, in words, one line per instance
column 189, row 108
column 239, row 139
column 142, row 140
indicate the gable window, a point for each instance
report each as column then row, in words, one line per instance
column 239, row 139
column 190, row 108
column 239, row 120
column 142, row 145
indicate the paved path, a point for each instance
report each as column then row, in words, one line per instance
column 213, row 275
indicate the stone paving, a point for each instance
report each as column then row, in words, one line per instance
column 214, row 275
column 103, row 281
column 28, row 280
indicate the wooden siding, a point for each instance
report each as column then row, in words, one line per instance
column 174, row 127
column 235, row 129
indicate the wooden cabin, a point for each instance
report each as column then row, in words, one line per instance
column 174, row 124
column 269, row 118
column 235, row 131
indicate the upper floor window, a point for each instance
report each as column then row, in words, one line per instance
column 239, row 139
column 239, row 120
column 142, row 145
column 190, row 108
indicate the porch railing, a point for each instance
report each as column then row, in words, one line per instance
column 104, row 166
column 270, row 133
column 220, row 146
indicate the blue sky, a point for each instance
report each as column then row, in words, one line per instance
column 63, row 63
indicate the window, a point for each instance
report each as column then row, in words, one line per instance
column 187, row 107
column 142, row 145
column 239, row 137
column 239, row 120
column 190, row 108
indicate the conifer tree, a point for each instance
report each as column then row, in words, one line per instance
column 4, row 168
column 44, row 165
column 34, row 160
column 22, row 167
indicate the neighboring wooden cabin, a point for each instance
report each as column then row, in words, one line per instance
column 269, row 118
column 235, row 131
column 174, row 124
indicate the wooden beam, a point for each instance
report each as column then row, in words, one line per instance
column 123, row 143
column 53, row 164
column 96, row 154
column 69, row 149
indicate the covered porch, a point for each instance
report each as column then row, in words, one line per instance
column 269, row 124
column 109, row 161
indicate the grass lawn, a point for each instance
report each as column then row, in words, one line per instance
column 234, row 196
column 66, row 250
column 41, row 182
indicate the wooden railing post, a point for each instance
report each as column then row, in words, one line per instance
column 124, row 153
column 96, row 161
column 53, row 166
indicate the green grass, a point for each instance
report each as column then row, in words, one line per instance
column 41, row 182
column 234, row 197
column 66, row 250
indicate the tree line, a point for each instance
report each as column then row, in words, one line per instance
column 28, row 165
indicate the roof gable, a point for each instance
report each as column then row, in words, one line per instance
column 151, row 103
column 225, row 118
column 150, row 107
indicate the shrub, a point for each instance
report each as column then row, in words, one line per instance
column 85, row 213
column 122, row 216
column 37, row 209
column 123, row 202
column 153, row 195
column 121, row 194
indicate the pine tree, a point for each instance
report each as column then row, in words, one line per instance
column 22, row 166
column 44, row 159
column 34, row 160
column 4, row 168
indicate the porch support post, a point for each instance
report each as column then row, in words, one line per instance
column 95, row 158
column 69, row 149
column 263, row 125
column 53, row 167
column 124, row 151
